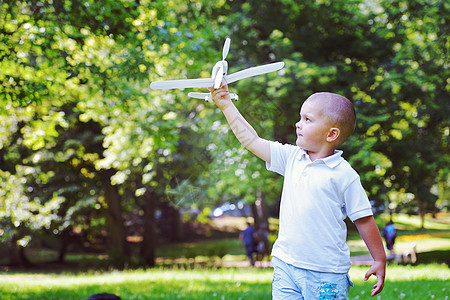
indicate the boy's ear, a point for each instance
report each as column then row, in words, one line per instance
column 333, row 134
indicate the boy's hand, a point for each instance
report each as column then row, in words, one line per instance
column 368, row 229
column 221, row 96
column 379, row 270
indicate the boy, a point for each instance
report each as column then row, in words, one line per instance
column 310, row 257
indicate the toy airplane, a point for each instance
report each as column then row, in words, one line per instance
column 219, row 76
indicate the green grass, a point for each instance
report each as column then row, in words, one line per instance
column 424, row 281
column 404, row 282
column 202, row 248
column 407, row 282
column 152, row 284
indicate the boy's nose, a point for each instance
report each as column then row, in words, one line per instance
column 297, row 124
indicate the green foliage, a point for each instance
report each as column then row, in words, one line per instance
column 384, row 57
column 67, row 66
column 78, row 120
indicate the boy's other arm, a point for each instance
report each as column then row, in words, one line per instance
column 243, row 131
column 371, row 236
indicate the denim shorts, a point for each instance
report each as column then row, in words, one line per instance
column 291, row 282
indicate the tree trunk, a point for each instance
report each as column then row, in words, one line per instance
column 149, row 240
column 63, row 247
column 177, row 228
column 422, row 218
column 421, row 206
column 23, row 258
column 170, row 222
column 115, row 221
column 259, row 210
column 14, row 256
column 17, row 257
column 67, row 238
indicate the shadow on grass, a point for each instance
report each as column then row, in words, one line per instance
column 439, row 256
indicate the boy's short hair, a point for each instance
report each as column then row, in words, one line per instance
column 339, row 111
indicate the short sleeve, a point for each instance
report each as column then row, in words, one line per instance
column 279, row 155
column 357, row 203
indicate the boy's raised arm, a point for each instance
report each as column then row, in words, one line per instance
column 243, row 131
column 371, row 236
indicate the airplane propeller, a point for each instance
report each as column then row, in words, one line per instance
column 226, row 48
column 219, row 76
column 222, row 66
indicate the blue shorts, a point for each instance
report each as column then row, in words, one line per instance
column 290, row 282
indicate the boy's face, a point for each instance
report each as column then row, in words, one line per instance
column 312, row 128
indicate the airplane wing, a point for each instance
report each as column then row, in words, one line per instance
column 207, row 96
column 254, row 71
column 209, row 82
column 182, row 84
column 203, row 96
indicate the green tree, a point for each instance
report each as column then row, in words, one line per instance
column 66, row 63
column 85, row 143
column 416, row 134
column 389, row 59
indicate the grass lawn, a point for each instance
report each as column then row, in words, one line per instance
column 177, row 281
column 403, row 282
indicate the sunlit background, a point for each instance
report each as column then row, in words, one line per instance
column 99, row 172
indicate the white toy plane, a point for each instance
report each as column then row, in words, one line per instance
column 219, row 76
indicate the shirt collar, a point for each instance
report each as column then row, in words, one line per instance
column 334, row 160
column 331, row 161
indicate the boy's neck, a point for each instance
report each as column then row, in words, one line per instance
column 319, row 155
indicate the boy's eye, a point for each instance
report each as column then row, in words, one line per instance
column 305, row 119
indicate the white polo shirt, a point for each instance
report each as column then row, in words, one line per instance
column 316, row 198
